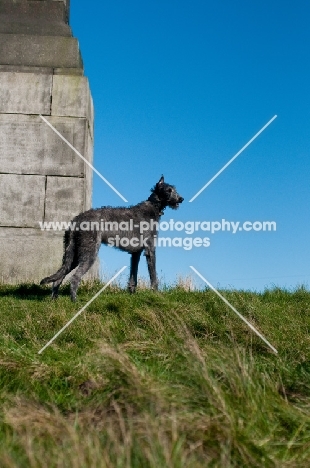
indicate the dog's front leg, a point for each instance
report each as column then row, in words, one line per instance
column 151, row 264
column 132, row 283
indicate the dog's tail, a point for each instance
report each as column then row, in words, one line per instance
column 67, row 261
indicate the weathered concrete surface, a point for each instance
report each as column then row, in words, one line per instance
column 25, row 93
column 29, row 146
column 39, row 17
column 71, row 96
column 41, row 177
column 28, row 255
column 25, row 69
column 89, row 173
column 91, row 117
column 64, row 198
column 69, row 71
column 42, row 70
column 37, row 10
column 22, row 200
column 39, row 51
column 7, row 26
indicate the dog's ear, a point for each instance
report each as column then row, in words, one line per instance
column 159, row 185
column 161, row 181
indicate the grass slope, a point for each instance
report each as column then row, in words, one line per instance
column 171, row 379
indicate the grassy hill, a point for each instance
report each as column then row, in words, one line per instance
column 171, row 379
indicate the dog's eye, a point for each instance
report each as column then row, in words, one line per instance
column 169, row 190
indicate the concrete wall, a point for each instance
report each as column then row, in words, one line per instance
column 41, row 178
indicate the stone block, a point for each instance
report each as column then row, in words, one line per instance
column 67, row 7
column 39, row 51
column 25, row 69
column 29, row 146
column 25, row 93
column 22, row 200
column 37, row 10
column 69, row 71
column 28, row 255
column 71, row 96
column 91, row 116
column 89, row 173
column 32, row 26
column 64, row 198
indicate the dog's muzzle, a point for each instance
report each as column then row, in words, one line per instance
column 180, row 200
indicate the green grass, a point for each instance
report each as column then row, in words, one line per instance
column 154, row 380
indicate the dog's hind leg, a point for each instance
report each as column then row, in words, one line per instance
column 132, row 283
column 55, row 288
column 67, row 265
column 84, row 265
column 81, row 270
column 57, row 284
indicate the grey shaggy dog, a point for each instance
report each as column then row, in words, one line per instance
column 131, row 229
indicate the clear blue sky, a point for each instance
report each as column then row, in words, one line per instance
column 179, row 87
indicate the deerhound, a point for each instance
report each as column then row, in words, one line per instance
column 132, row 230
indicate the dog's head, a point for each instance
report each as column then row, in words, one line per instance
column 167, row 194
